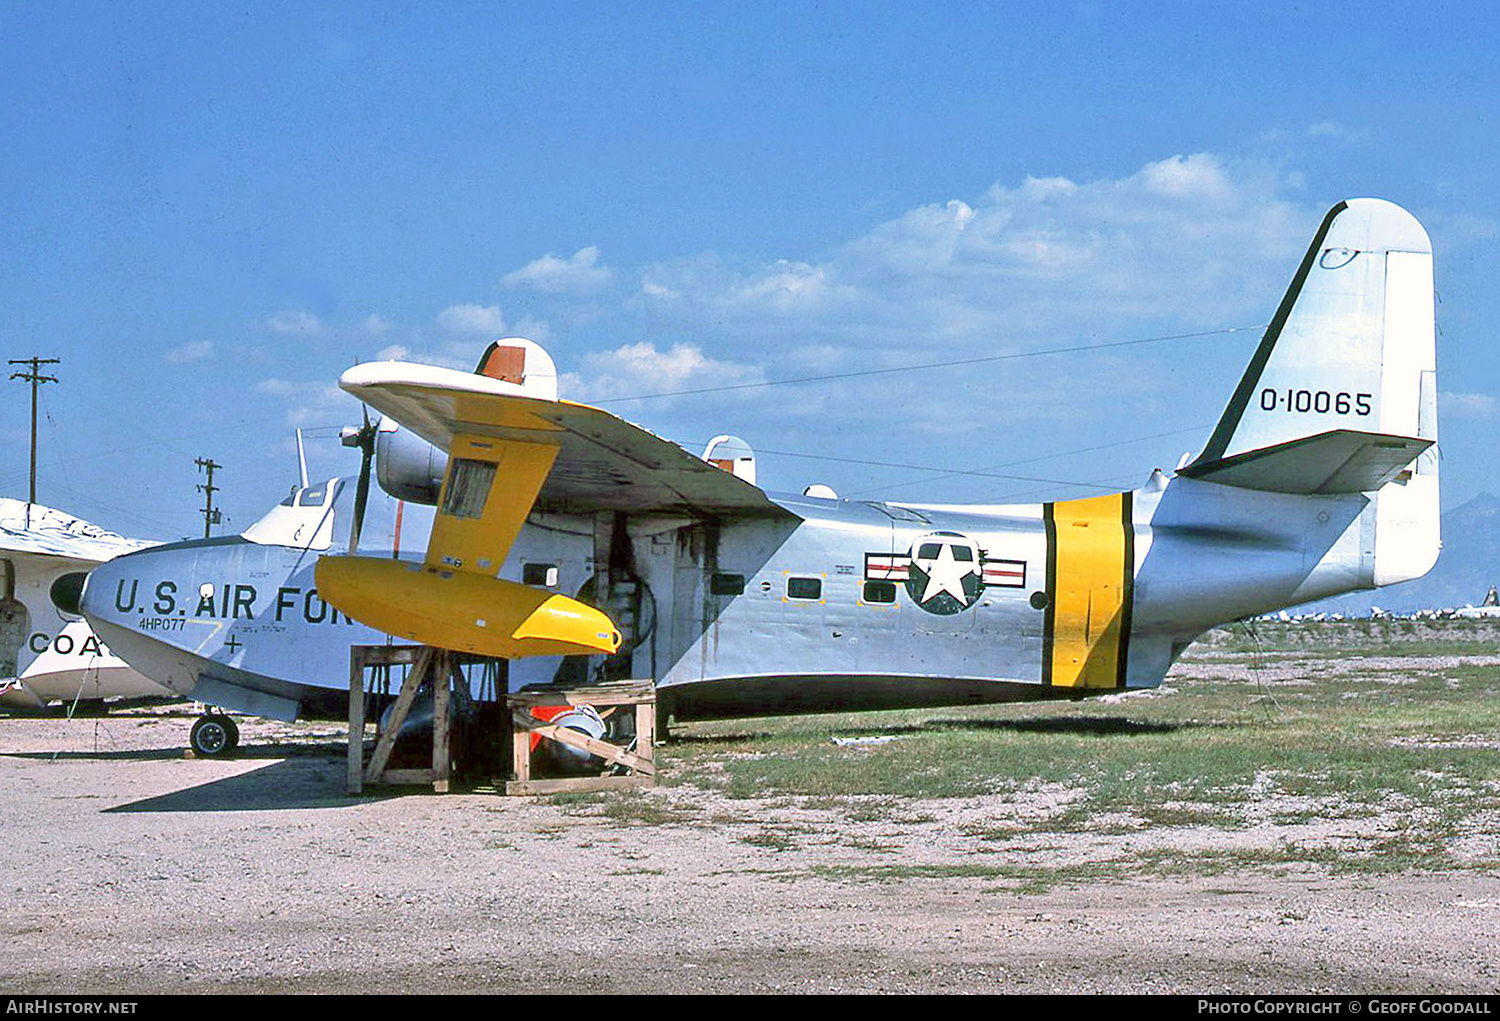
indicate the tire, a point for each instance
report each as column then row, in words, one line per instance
column 213, row 736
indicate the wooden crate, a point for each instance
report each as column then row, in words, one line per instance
column 625, row 765
column 424, row 661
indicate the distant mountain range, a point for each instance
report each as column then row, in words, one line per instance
column 1468, row 566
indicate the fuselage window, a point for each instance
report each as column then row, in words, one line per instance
column 544, row 575
column 727, row 584
column 804, row 588
column 880, row 592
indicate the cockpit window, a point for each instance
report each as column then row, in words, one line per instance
column 304, row 519
column 313, row 496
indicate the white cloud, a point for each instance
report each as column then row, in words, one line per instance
column 376, row 326
column 305, row 402
column 297, row 323
column 532, row 329
column 1200, row 178
column 1190, row 243
column 1191, row 240
column 785, row 286
column 579, row 273
column 1332, row 131
column 484, row 319
column 394, row 353
column 635, row 370
column 1467, row 405
column 193, row 351
column 275, row 387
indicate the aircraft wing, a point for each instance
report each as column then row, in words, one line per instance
column 602, row 461
column 45, row 532
column 510, row 451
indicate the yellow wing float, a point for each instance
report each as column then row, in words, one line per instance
column 512, row 447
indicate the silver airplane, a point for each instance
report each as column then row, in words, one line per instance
column 574, row 546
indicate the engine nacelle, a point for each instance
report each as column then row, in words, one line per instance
column 407, row 466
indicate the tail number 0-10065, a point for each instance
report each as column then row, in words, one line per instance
column 1319, row 402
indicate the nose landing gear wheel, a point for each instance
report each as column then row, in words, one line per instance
column 214, row 736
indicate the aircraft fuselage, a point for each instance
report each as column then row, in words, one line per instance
column 838, row 605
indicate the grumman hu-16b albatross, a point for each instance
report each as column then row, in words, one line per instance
column 574, row 545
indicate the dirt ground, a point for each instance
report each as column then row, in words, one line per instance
column 132, row 869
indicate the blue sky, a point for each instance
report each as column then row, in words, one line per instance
column 208, row 212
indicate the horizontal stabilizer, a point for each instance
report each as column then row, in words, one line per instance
column 1338, row 461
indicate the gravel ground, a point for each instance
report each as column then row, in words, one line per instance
column 132, row 869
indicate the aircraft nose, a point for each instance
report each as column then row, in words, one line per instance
column 67, row 593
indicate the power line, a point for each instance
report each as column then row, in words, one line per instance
column 929, row 365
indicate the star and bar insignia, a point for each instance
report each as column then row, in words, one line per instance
column 945, row 572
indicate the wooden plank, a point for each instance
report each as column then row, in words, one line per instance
column 441, row 670
column 520, row 744
column 581, row 784
column 356, row 762
column 645, row 732
column 614, row 693
column 603, row 749
column 405, row 777
column 389, row 655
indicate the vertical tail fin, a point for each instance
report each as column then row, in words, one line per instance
column 1341, row 395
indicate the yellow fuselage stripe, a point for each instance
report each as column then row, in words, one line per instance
column 1090, row 586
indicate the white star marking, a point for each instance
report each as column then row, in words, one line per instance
column 945, row 574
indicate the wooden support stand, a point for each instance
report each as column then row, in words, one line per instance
column 630, row 765
column 424, row 663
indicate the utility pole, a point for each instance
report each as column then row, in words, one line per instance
column 210, row 514
column 36, row 379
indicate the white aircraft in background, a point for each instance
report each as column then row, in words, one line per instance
column 46, row 656
column 1490, row 608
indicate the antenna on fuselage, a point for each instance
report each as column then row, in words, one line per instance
column 301, row 460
